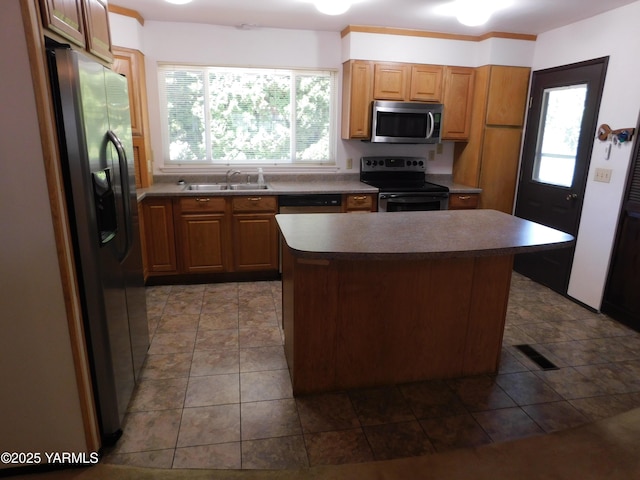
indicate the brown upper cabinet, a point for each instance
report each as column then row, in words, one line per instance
column 391, row 81
column 507, row 96
column 458, row 102
column 130, row 63
column 426, row 83
column 64, row 17
column 365, row 81
column 357, row 93
column 407, row 82
column 489, row 159
column 84, row 23
column 98, row 31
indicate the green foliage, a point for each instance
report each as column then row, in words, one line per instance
column 314, row 104
column 250, row 115
column 185, row 109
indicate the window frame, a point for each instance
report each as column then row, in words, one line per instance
column 213, row 165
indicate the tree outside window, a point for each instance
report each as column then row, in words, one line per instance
column 222, row 115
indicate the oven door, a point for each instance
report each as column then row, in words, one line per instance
column 412, row 202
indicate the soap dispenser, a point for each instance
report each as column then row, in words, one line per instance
column 260, row 177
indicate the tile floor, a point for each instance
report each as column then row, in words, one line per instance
column 215, row 389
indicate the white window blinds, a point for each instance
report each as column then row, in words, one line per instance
column 223, row 115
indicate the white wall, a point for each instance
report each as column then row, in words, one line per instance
column 217, row 45
column 437, row 51
column 614, row 34
column 128, row 32
column 402, row 48
column 39, row 404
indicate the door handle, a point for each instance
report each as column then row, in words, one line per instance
column 124, row 183
column 572, row 196
column 433, row 125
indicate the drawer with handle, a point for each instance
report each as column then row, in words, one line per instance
column 461, row 201
column 358, row 202
column 202, row 204
column 255, row 203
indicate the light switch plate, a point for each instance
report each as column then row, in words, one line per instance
column 603, row 175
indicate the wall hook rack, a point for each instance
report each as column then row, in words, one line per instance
column 620, row 135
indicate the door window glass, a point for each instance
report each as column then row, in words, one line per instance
column 558, row 135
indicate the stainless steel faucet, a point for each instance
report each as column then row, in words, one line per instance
column 231, row 173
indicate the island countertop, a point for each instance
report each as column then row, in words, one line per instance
column 415, row 235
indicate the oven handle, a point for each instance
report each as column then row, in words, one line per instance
column 408, row 197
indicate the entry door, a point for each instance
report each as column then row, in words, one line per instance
column 559, row 137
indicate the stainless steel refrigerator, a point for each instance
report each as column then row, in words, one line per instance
column 94, row 131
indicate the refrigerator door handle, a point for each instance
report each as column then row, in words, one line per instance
column 126, row 199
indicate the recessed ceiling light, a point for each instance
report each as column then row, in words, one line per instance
column 473, row 17
column 472, row 12
column 332, row 7
column 179, row 2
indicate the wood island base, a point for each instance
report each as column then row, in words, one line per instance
column 361, row 323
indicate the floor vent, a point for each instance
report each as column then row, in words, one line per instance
column 537, row 357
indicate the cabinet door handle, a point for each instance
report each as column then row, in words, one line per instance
column 203, row 199
column 255, row 199
column 360, row 198
column 464, row 197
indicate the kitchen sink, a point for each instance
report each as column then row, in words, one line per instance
column 206, row 187
column 248, row 186
column 214, row 187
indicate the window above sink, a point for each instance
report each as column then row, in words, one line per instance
column 227, row 116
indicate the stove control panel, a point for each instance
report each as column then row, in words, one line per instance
column 393, row 164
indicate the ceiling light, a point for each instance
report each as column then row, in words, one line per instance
column 179, row 2
column 472, row 12
column 332, row 7
column 472, row 15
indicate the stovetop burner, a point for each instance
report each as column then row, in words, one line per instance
column 407, row 187
column 397, row 174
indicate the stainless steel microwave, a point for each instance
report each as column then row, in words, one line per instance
column 406, row 122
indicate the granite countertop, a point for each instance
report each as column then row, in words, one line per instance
column 415, row 235
column 291, row 185
column 447, row 181
column 276, row 187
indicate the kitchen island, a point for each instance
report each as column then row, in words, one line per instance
column 388, row 298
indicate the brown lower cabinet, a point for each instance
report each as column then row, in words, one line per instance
column 209, row 234
column 202, row 227
column 357, row 202
column 255, row 234
column 359, row 323
column 463, row 201
column 158, row 236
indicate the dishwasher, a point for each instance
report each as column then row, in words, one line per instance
column 310, row 203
